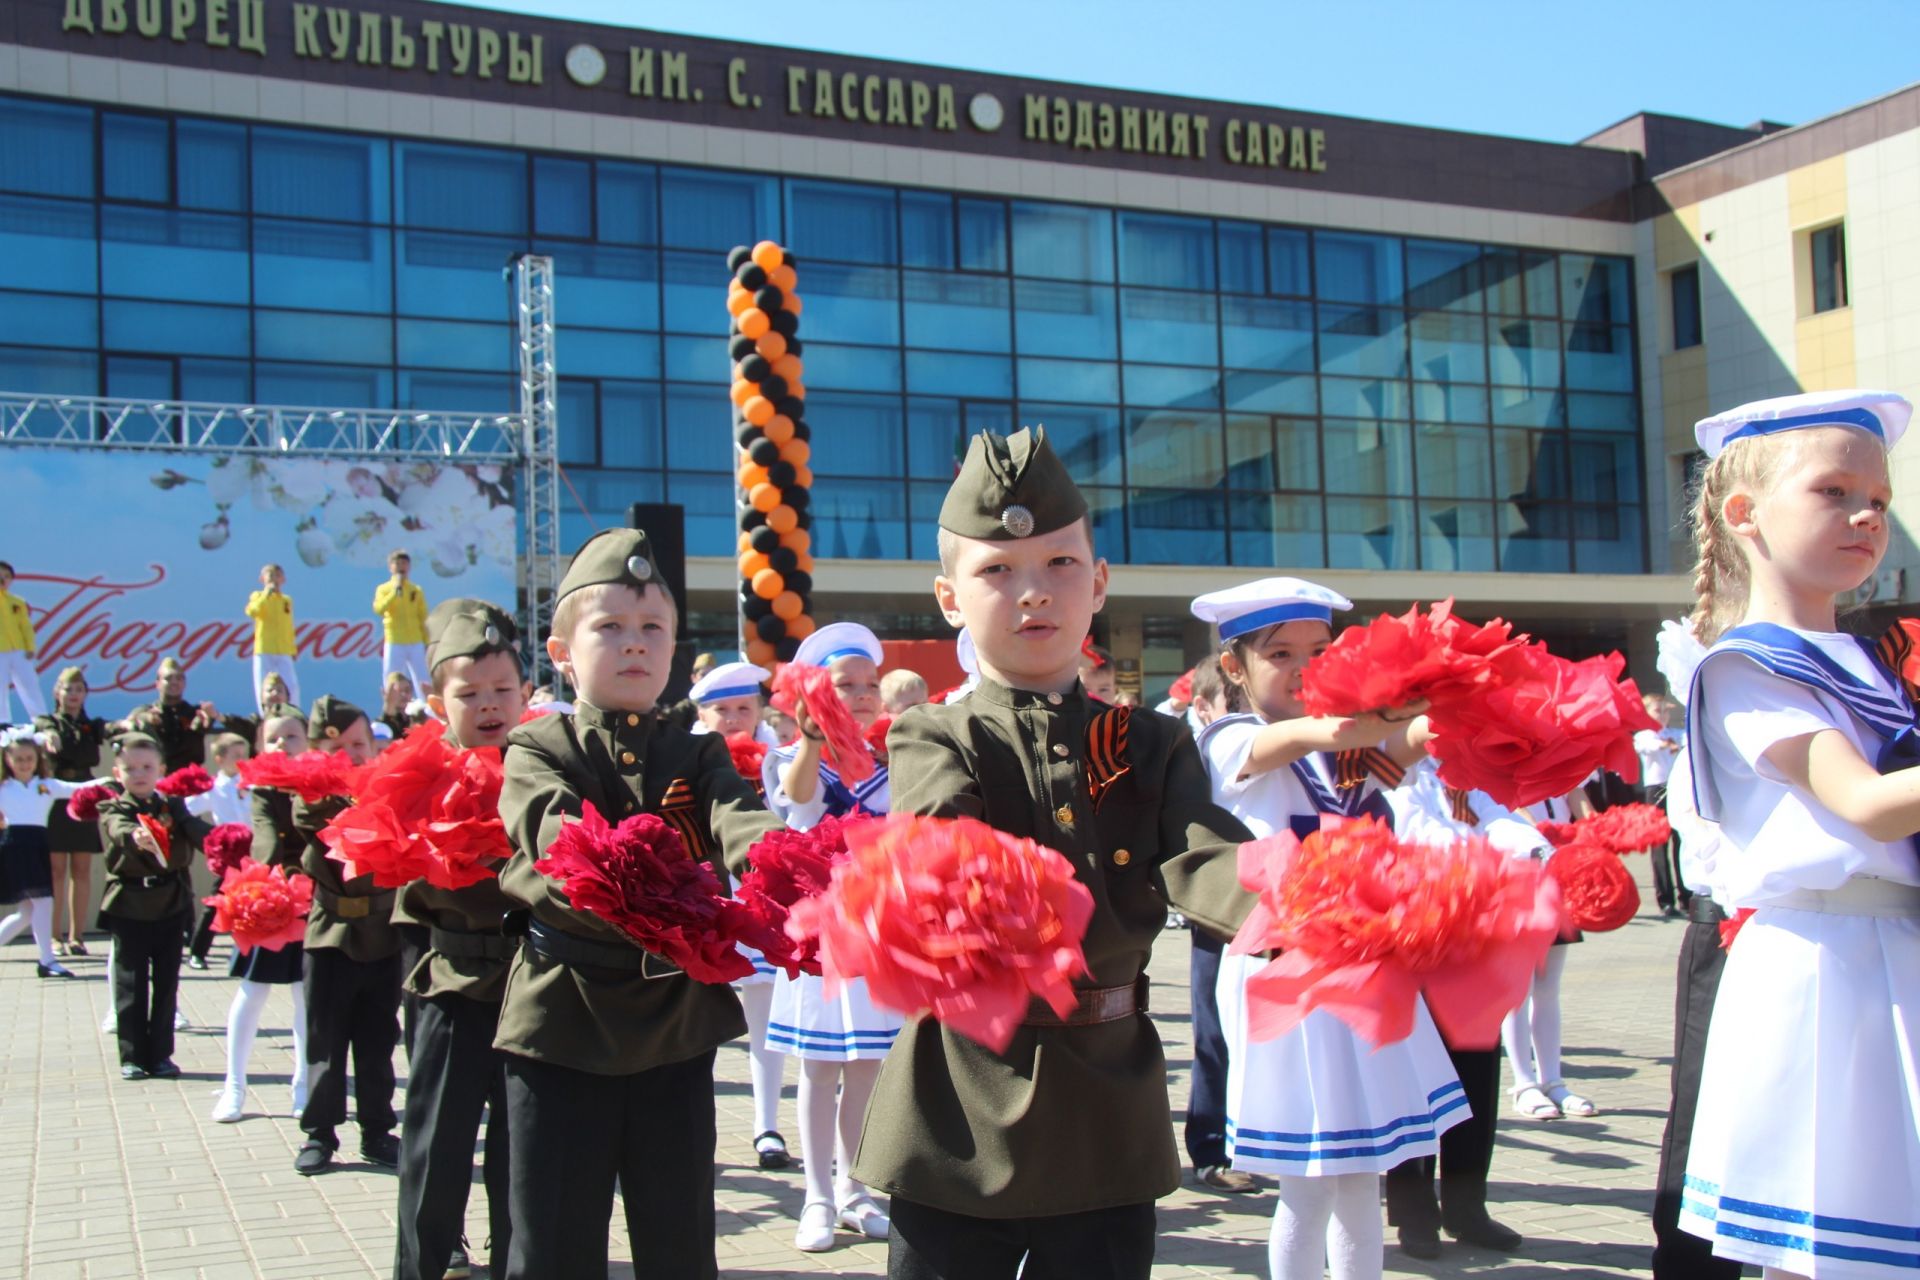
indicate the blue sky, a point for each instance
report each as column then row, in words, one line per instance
column 1551, row 69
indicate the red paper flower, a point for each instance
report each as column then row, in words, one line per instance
column 311, row 775
column 748, row 753
column 1541, row 727
column 1559, row 833
column 1731, row 926
column 638, row 878
column 190, row 781
column 262, row 906
column 372, row 839
column 1629, row 828
column 1364, row 923
column 161, row 836
column 876, row 736
column 424, row 810
column 464, row 834
column 1182, row 689
column 846, row 747
column 227, row 846
column 788, row 867
column 84, row 804
column 1600, row 894
column 951, row 916
column 1395, row 660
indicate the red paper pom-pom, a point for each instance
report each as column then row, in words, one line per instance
column 1629, row 828
column 1599, row 892
column 161, row 836
column 262, row 906
column 951, row 916
column 463, row 831
column 371, row 840
column 190, row 781
column 1364, row 923
column 1395, row 660
column 789, row 866
column 84, row 804
column 846, row 746
column 1559, row 833
column 638, row 878
column 311, row 775
column 1731, row 926
column 1182, row 689
column 876, row 736
column 227, row 846
column 748, row 753
column 426, row 810
column 1541, row 727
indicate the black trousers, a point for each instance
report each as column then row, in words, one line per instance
column 1669, row 890
column 352, row 1007
column 572, row 1133
column 1678, row 1255
column 1105, row 1244
column 414, row 941
column 454, row 1076
column 1207, row 1088
column 202, row 942
column 146, row 985
column 1466, row 1154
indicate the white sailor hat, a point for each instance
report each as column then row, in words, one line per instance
column 1882, row 414
column 729, row 680
column 382, row 732
column 1253, row 606
column 963, row 650
column 839, row 640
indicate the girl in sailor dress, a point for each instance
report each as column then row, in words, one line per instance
column 841, row 1039
column 1806, row 1143
column 28, row 795
column 1319, row 1108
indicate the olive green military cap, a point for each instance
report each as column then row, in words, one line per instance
column 134, row 741
column 1011, row 487
column 467, row 628
column 331, row 717
column 612, row 555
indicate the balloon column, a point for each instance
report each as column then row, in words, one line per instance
column 771, row 435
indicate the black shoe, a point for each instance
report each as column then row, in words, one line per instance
column 1420, row 1242
column 459, row 1266
column 314, row 1156
column 54, row 970
column 772, row 1149
column 1485, row 1232
column 197, row 962
column 1222, row 1177
column 163, row 1069
column 382, row 1149
column 132, row 1071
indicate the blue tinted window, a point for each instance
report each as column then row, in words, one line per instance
column 1606, row 469
column 140, row 377
column 444, row 392
column 1443, row 275
column 957, row 312
column 926, row 229
column 842, row 223
column 936, row 437
column 1161, row 249
column 1262, row 333
column 1368, row 457
column 1169, row 327
column 1096, row 382
column 693, row 293
column 464, row 189
column 1289, row 262
column 1273, row 392
column 1449, row 347
column 1534, row 538
column 1456, row 537
column 605, row 287
column 856, row 435
column 627, row 203
column 177, row 328
column 577, row 423
column 297, row 335
column 853, row 368
column 1168, row 385
column 319, row 175
column 1250, row 453
column 1609, row 540
column 1370, row 533
column 1086, row 439
column 47, row 244
column 1528, row 407
column 1594, row 290
column 702, row 209
column 1529, row 466
column 323, row 386
column 324, row 266
column 452, row 344
column 1106, row 508
column 709, row 506
column 1280, row 531
column 212, row 168
column 49, row 319
column 1063, row 242
column 1364, row 398
column 216, row 381
column 187, row 257
column 1172, row 448
column 40, row 371
column 983, row 235
column 136, row 158
column 1603, row 412
column 465, row 277
column 1454, row 462
column 1243, row 262
column 697, row 360
column 1170, row 527
column 1599, row 357
column 606, row 496
column 846, row 304
column 1357, row 268
column 607, row 353
column 1525, row 353
column 700, row 433
column 631, row 420
column 562, row 197
column 1451, row 402
column 860, row 519
column 1058, row 319
column 1297, row 453
column 1363, row 341
column 46, row 149
column 951, row 373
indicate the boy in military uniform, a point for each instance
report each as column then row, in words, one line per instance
column 1048, row 1155
column 147, row 907
column 352, row 972
column 611, row 1048
column 179, row 726
column 454, row 1071
column 402, row 607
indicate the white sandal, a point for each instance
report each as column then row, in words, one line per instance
column 815, row 1232
column 1533, row 1102
column 863, row 1215
column 1569, row 1102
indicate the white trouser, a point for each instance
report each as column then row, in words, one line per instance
column 410, row 658
column 16, row 672
column 274, row 664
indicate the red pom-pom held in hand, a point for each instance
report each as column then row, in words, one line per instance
column 311, row 775
column 227, row 846
column 1599, row 892
column 161, row 837
column 846, row 744
column 1395, row 660
column 84, row 804
column 426, row 810
column 182, row 783
column 262, row 906
column 789, row 867
column 748, row 753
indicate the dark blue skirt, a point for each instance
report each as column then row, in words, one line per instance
column 25, row 869
column 261, row 965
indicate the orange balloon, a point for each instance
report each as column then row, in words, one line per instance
column 768, row 583
column 741, row 389
column 760, row 653
column 797, row 540
column 803, row 477
column 750, row 474
column 796, row 452
column 791, row 304
column 783, row 278
column 802, row 562
column 739, row 303
column 789, row 367
column 782, row 518
column 759, row 409
column 779, row 428
column 769, row 256
column 746, row 541
column 764, row 497
column 787, row 605
column 751, row 563
column 772, row 344
column 797, row 390
column 800, row 628
column 753, row 322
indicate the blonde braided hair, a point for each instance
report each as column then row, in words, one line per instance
column 1720, row 577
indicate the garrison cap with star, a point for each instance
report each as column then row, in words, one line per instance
column 612, row 555
column 467, row 628
column 1881, row 414
column 1255, row 606
column 1011, row 487
column 331, row 717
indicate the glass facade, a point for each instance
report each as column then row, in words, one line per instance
column 1227, row 392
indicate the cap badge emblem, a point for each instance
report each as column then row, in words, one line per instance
column 639, row 567
column 333, row 731
column 493, row 634
column 1017, row 520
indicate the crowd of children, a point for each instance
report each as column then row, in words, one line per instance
column 587, row 1062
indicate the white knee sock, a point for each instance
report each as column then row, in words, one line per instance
column 819, row 1106
column 1356, row 1242
column 10, row 927
column 1546, row 1014
column 243, row 1024
column 1297, row 1246
column 856, row 1087
column 1516, row 1033
column 765, row 1065
column 299, row 992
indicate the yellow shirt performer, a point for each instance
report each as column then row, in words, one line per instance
column 271, row 609
column 17, row 646
column 402, row 605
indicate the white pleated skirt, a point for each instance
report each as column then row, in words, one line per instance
column 1806, row 1141
column 762, row 971
column 1320, row 1100
column 807, row 1023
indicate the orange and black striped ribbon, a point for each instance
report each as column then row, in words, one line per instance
column 677, row 810
column 1462, row 807
column 1351, row 768
column 1106, row 751
column 1896, row 649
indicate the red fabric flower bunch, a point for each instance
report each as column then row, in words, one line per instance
column 1599, row 893
column 638, row 878
column 84, row 804
column 1625, row 828
column 846, row 747
column 748, row 753
column 951, row 916
column 1541, row 727
column 161, row 837
column 262, row 906
column 789, row 867
column 424, row 810
column 464, row 831
column 227, row 846
column 182, row 783
column 1398, row 659
column 311, row 775
column 877, row 737
column 1364, row 923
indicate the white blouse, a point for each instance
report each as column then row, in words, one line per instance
column 27, row 804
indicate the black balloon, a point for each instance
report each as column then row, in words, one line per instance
column 764, row 452
column 755, row 368
column 774, row 388
column 769, row 299
column 747, row 434
column 801, row 431
column 788, row 260
column 780, row 474
column 741, row 255
column 754, row 607
column 799, row 580
column 764, row 540
column 797, row 498
column 802, row 519
column 770, row 627
column 790, row 407
column 783, row 559
column 793, row 346
column 752, row 518
column 785, row 323
column 741, row 347
column 786, row 649
column 751, row 277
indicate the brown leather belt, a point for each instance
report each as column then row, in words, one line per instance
column 1097, row 1005
column 461, row 945
column 354, row 906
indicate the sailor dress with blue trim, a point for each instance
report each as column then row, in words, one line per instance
column 1806, row 1140
column 1319, row 1100
column 805, row 1021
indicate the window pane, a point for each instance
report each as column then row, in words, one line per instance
column 1593, row 290
column 1529, row 466
column 954, row 374
column 48, row 244
column 610, row 353
column 1609, row 540
column 46, row 149
column 1449, row 347
column 177, row 328
column 1170, row 527
column 1364, row 398
column 1505, row 292
column 1289, row 263
column 1599, row 357
column 1534, row 538
column 1077, row 380
column 140, row 378
column 1606, row 469
column 39, row 371
column 700, row 435
column 49, row 320
column 298, row 335
column 1160, row 249
column 323, row 266
column 1450, row 402
column 1443, row 275
column 983, row 235
column 937, row 437
column 458, row 392
column 926, row 229
column 1262, row 333
column 463, row 189
column 135, row 158
column 1519, row 407
column 606, row 496
column 1064, row 319
column 842, row 223
column 1363, row 341
column 1278, row 531
column 212, row 167
column 1456, row 537
column 1273, row 392
column 689, row 298
column 1454, row 462
column 1250, row 453
column 1062, row 242
column 1829, row 249
column 1542, row 283
column 1370, row 533
column 958, row 312
column 1165, row 385
column 577, row 419
column 861, row 519
column 1297, row 442
column 452, row 275
column 625, row 195
column 702, row 209
column 709, row 506
column 1684, row 290
column 1174, row 450
column 451, row 344
column 562, row 198
column 216, row 381
column 319, row 175
column 852, row 368
column 850, row 304
column 1169, row 328
column 1357, row 268
column 630, row 425
column 1603, row 412
column 187, row 257
column 1368, row 457
column 857, row 435
column 1243, row 262
column 1525, row 353
column 1086, row 439
column 607, row 287
column 322, row 386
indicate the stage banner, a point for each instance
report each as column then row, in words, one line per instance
column 126, row 558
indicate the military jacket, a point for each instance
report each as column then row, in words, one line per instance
column 615, row 1021
column 81, row 737
column 129, row 867
column 1067, row 1119
column 348, row 915
column 180, row 743
column 276, row 841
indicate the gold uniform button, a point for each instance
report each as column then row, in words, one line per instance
column 1053, row 699
column 632, row 719
column 1060, row 749
column 626, row 757
column 1121, row 857
column 1064, row 815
